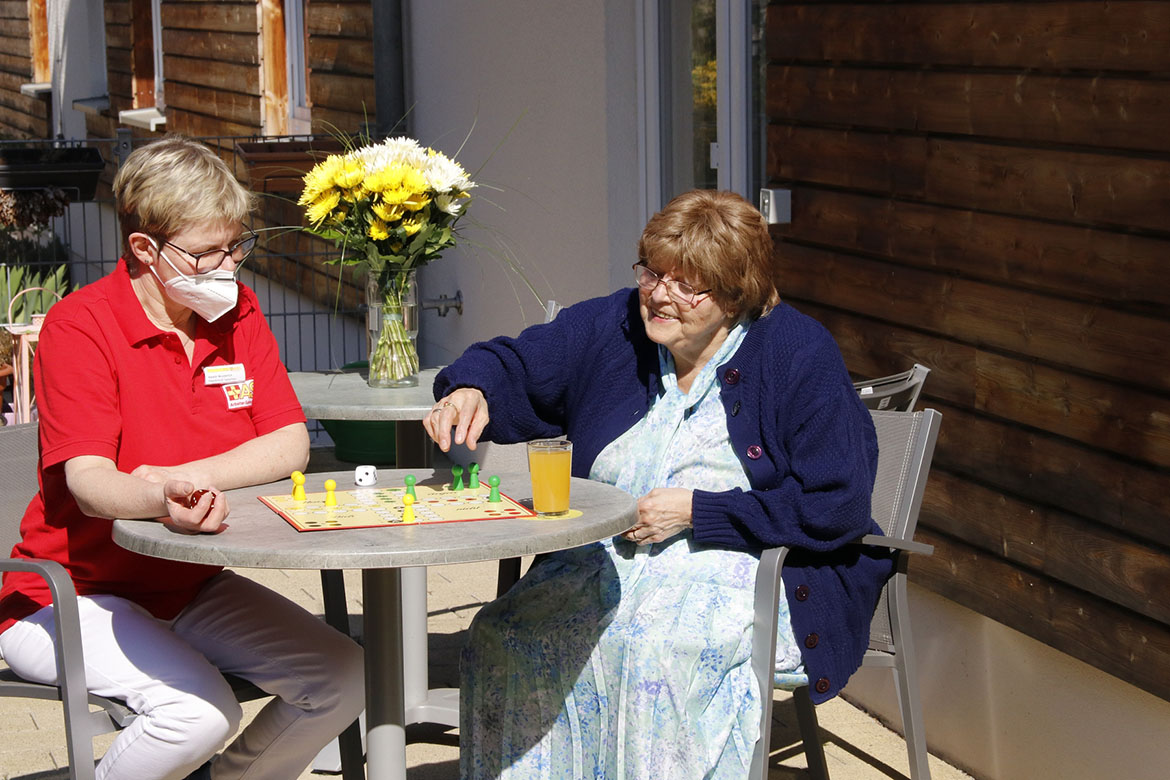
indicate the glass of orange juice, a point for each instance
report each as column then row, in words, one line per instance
column 550, row 463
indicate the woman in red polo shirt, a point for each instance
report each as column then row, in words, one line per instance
column 158, row 385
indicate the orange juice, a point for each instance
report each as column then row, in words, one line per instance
column 550, row 463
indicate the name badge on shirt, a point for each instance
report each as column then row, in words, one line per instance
column 239, row 395
column 222, row 375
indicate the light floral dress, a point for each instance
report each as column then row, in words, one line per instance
column 618, row 661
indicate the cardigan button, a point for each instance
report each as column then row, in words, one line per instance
column 755, row 451
column 822, row 685
column 731, row 376
column 735, row 409
column 802, row 592
column 811, row 640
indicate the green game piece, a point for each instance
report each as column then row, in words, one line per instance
column 409, row 481
column 494, row 496
column 456, row 477
column 473, row 475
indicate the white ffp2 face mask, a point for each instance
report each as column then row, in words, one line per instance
column 210, row 295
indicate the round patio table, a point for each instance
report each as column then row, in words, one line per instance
column 257, row 537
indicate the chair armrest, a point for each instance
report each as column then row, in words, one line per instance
column 67, row 629
column 908, row 545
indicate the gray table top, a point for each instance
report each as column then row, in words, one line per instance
column 256, row 537
column 344, row 395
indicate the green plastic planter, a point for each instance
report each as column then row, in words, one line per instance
column 362, row 441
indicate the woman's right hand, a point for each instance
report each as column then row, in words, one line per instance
column 466, row 410
column 204, row 516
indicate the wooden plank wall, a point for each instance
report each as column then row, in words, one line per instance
column 21, row 116
column 341, row 65
column 984, row 187
column 211, row 62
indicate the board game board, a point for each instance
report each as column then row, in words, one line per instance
column 373, row 507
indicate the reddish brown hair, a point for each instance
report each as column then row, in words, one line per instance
column 714, row 239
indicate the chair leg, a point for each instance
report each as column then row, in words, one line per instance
column 911, row 720
column 810, row 732
column 349, row 742
column 907, row 682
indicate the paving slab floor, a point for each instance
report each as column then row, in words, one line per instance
column 857, row 746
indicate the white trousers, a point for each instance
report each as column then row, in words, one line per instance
column 169, row 673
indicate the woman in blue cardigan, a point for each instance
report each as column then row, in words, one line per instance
column 732, row 417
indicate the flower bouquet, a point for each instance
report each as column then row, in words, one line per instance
column 391, row 207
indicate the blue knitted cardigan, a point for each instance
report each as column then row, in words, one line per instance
column 805, row 440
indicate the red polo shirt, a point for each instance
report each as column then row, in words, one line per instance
column 110, row 383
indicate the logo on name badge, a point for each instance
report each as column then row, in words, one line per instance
column 239, row 395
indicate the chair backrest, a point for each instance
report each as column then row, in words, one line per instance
column 18, row 479
column 905, row 449
column 894, row 393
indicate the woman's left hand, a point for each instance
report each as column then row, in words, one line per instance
column 662, row 513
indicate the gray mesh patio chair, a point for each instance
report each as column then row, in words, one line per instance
column 894, row 393
column 905, row 447
column 18, row 484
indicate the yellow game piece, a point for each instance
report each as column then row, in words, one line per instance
column 330, row 493
column 298, row 479
column 407, row 508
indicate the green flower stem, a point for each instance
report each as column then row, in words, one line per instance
column 394, row 356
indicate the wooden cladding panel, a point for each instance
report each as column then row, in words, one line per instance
column 1094, row 630
column 341, row 55
column 196, row 124
column 1079, row 187
column 232, row 107
column 118, row 36
column 340, row 92
column 237, row 48
column 339, row 19
column 1046, row 467
column 328, row 120
column 17, row 29
column 212, row 74
column 1060, row 545
column 1111, row 36
column 216, row 17
column 14, row 9
column 1089, row 337
column 116, row 12
column 12, row 62
column 1067, row 260
column 1088, row 110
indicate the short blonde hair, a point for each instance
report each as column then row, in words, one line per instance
column 715, row 239
column 173, row 183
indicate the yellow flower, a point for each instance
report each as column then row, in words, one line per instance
column 386, row 211
column 321, row 208
column 413, row 224
column 319, row 179
column 396, row 196
column 413, row 179
column 416, row 201
column 378, row 230
column 349, row 174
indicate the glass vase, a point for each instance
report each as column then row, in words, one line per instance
column 392, row 325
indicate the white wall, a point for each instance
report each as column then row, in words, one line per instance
column 1005, row 706
column 77, row 60
column 560, row 191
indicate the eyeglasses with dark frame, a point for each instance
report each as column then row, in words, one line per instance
column 239, row 252
column 682, row 292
